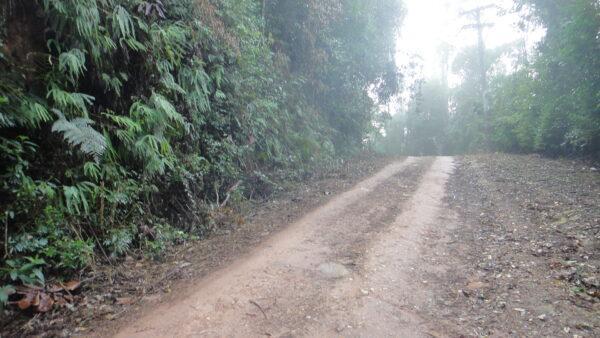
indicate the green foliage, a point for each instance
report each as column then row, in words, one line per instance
column 5, row 292
column 57, row 247
column 119, row 241
column 514, row 130
column 79, row 133
column 567, row 82
column 120, row 115
column 27, row 270
column 163, row 237
column 72, row 62
column 548, row 103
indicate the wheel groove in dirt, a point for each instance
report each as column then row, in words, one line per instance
column 279, row 290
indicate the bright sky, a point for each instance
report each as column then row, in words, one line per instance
column 428, row 23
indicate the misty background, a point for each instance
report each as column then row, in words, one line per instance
column 462, row 94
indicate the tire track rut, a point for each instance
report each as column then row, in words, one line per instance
column 307, row 279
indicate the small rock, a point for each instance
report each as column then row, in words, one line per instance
column 542, row 317
column 364, row 292
column 591, row 281
column 333, row 270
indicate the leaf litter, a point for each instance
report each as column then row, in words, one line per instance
column 525, row 254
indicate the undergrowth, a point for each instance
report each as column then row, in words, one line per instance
column 124, row 123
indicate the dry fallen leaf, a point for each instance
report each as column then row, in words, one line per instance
column 72, row 285
column 26, row 301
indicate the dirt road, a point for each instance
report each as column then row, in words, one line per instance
column 347, row 268
column 489, row 245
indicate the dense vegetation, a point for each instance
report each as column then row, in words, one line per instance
column 549, row 104
column 552, row 104
column 126, row 123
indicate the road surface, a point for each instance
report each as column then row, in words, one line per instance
column 345, row 269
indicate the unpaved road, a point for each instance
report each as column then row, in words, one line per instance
column 345, row 269
column 488, row 245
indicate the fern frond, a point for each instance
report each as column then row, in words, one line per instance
column 171, row 40
column 92, row 170
column 196, row 83
column 66, row 100
column 220, row 95
column 72, row 62
column 124, row 122
column 125, row 136
column 131, row 127
column 6, row 121
column 87, row 20
column 110, row 154
column 169, row 82
column 107, row 43
column 122, row 23
column 112, row 83
column 139, row 111
column 133, row 44
column 78, row 132
column 163, row 105
column 156, row 153
column 77, row 197
column 33, row 114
